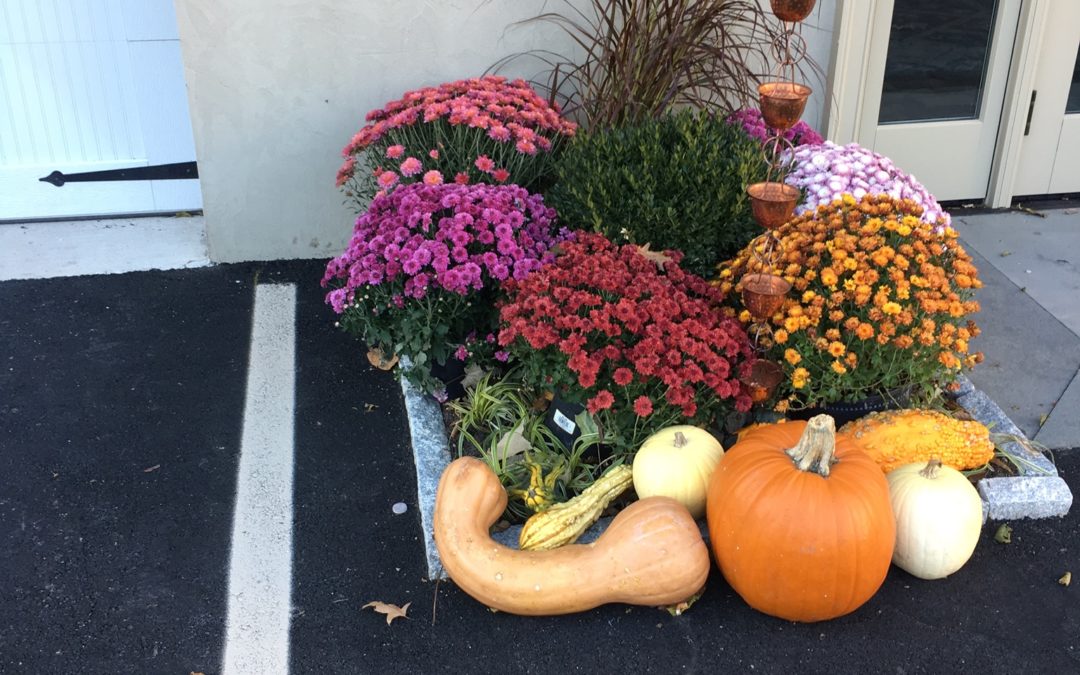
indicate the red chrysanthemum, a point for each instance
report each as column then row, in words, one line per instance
column 602, row 401
column 654, row 339
column 643, row 406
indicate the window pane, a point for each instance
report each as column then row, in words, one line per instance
column 1073, row 106
column 936, row 65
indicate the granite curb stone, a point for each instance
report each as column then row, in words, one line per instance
column 431, row 454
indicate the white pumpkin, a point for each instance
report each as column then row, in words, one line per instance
column 677, row 462
column 938, row 518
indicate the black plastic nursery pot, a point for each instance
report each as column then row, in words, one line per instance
column 843, row 412
column 451, row 374
column 561, row 420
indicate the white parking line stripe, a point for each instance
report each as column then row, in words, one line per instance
column 260, row 565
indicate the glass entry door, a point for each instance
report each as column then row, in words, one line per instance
column 943, row 69
column 1050, row 149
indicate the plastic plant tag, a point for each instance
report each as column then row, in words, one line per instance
column 563, row 422
column 560, row 419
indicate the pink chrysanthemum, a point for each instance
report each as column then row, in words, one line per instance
column 440, row 123
column 485, row 164
column 499, row 133
column 345, row 171
column 433, row 177
column 411, row 166
column 387, row 179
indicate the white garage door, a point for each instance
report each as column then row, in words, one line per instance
column 90, row 85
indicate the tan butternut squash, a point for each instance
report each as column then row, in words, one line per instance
column 651, row 554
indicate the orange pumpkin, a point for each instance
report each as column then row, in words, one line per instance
column 800, row 521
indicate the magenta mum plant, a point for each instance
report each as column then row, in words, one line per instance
column 480, row 130
column 420, row 276
column 753, row 123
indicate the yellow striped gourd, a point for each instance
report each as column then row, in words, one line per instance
column 563, row 523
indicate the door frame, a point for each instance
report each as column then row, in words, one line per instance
column 849, row 77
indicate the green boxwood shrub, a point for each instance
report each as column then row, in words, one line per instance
column 675, row 182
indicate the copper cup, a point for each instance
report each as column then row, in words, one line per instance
column 762, row 380
column 763, row 294
column 772, row 203
column 792, row 10
column 782, row 103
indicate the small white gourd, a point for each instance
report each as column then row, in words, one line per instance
column 677, row 462
column 938, row 518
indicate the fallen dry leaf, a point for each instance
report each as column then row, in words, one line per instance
column 370, row 407
column 513, row 443
column 391, row 611
column 377, row 358
column 657, row 257
column 678, row 608
column 473, row 374
column 1065, row 579
column 1003, row 534
column 151, row 468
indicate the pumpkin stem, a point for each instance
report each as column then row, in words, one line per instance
column 680, row 439
column 932, row 468
column 816, row 449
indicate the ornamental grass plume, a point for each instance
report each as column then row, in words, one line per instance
column 630, row 335
column 827, row 171
column 637, row 59
column 879, row 300
column 421, row 274
column 486, row 130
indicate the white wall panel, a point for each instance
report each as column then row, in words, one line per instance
column 158, row 100
column 89, row 85
column 149, row 19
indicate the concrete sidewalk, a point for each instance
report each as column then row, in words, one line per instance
column 1029, row 263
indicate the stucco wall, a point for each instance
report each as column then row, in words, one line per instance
column 277, row 87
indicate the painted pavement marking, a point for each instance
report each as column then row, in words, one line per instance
column 260, row 565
